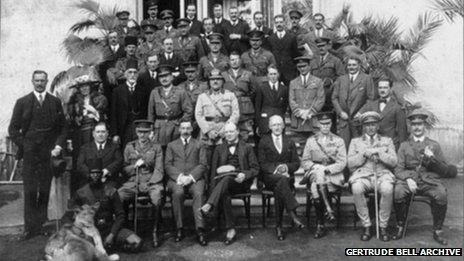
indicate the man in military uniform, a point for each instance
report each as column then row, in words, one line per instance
column 193, row 87
column 151, row 45
column 257, row 59
column 167, row 106
column 305, row 46
column 167, row 30
column 324, row 158
column 116, row 74
column 121, row 27
column 214, row 108
column 306, row 98
column 215, row 59
column 240, row 81
column 152, row 10
column 419, row 169
column 109, row 216
column 370, row 158
column 295, row 18
column 187, row 45
column 328, row 68
column 143, row 164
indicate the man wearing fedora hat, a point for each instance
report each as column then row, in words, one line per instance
column 152, row 11
column 257, row 59
column 370, row 158
column 215, row 59
column 187, row 45
column 421, row 165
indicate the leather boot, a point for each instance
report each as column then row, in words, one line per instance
column 323, row 193
column 400, row 209
column 366, row 235
column 438, row 236
column 438, row 215
column 156, row 238
column 384, row 234
column 320, row 231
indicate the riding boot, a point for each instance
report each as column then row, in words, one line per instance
column 157, row 217
column 438, row 214
column 320, row 208
column 323, row 192
column 400, row 209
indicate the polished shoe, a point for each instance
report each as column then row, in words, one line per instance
column 384, row 234
column 230, row 240
column 399, row 233
column 329, row 215
column 156, row 240
column 320, row 232
column 366, row 235
column 201, row 238
column 279, row 233
column 179, row 235
column 298, row 224
column 437, row 235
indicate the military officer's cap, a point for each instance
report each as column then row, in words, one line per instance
column 143, row 125
column 295, row 13
column 182, row 22
column 322, row 41
column 164, row 69
column 166, row 14
column 370, row 116
column 418, row 115
column 215, row 74
column 255, row 34
column 130, row 40
column 83, row 80
column 215, row 38
column 95, row 165
column 132, row 64
column 190, row 66
column 152, row 3
column 324, row 117
column 148, row 25
column 302, row 60
column 122, row 13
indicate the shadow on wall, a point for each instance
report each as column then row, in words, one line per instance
column 451, row 141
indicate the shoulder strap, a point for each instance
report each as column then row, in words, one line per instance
column 215, row 105
column 322, row 149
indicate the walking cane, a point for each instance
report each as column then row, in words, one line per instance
column 136, row 197
column 376, row 160
column 413, row 194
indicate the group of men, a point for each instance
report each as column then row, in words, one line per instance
column 183, row 107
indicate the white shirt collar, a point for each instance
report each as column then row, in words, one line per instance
column 275, row 136
column 129, row 85
column 354, row 75
column 417, row 139
column 369, row 137
column 278, row 33
column 183, row 140
column 36, row 93
column 168, row 28
column 274, row 84
column 98, row 144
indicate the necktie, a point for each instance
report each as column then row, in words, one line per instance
column 100, row 149
column 167, row 31
column 278, row 144
column 280, row 35
column 114, row 49
column 372, row 140
column 351, row 78
column 218, row 21
column 304, row 80
column 153, row 75
column 40, row 99
column 274, row 87
column 185, row 143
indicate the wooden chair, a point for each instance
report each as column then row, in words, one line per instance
column 334, row 197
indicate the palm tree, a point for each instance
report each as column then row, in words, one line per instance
column 450, row 8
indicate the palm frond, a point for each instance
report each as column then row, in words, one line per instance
column 89, row 7
column 81, row 26
column 85, row 51
column 340, row 17
column 450, row 8
column 57, row 81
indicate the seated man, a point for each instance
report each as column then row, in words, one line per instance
column 143, row 162
column 278, row 161
column 324, row 158
column 420, row 167
column 241, row 156
column 186, row 167
column 369, row 158
column 110, row 216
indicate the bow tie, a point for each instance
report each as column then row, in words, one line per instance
column 383, row 100
column 231, row 145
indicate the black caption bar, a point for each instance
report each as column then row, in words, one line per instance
column 403, row 251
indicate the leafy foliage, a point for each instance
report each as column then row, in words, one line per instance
column 450, row 8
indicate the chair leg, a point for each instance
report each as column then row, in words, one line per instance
column 355, row 216
column 338, row 199
column 248, row 210
column 263, row 209
column 269, row 210
column 308, row 208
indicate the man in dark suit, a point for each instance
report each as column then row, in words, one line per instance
column 219, row 21
column 284, row 48
column 100, row 148
column 169, row 57
column 129, row 103
column 271, row 99
column 258, row 19
column 240, row 157
column 236, row 38
column 278, row 160
column 185, row 165
column 393, row 119
column 196, row 27
column 149, row 78
column 351, row 92
column 37, row 127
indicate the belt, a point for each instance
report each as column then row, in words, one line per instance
column 169, row 118
column 217, row 119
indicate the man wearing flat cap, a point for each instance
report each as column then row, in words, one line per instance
column 116, row 74
column 152, row 10
column 215, row 58
column 143, row 162
column 306, row 98
column 168, row 105
column 324, row 159
column 421, row 165
column 370, row 159
column 151, row 44
column 257, row 59
column 168, row 29
column 186, row 45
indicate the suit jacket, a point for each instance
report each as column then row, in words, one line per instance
column 111, row 158
column 220, row 28
column 247, row 160
column 196, row 27
column 191, row 160
column 268, row 103
column 120, row 106
column 284, row 50
column 240, row 45
column 393, row 120
column 22, row 116
column 267, row 32
column 269, row 158
column 177, row 62
column 350, row 97
column 147, row 82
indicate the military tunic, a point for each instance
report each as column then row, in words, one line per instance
column 258, row 63
column 189, row 49
column 145, row 49
column 150, row 175
column 194, row 89
column 330, row 152
column 161, row 34
column 157, row 22
column 166, row 110
column 207, row 64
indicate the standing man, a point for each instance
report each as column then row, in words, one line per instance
column 240, row 82
column 393, row 120
column 278, row 161
column 167, row 30
column 418, row 172
column 37, row 127
column 241, row 158
column 369, row 155
column 284, row 48
column 258, row 19
column 149, row 78
column 257, row 59
column 295, row 18
column 116, row 74
column 152, row 10
column 168, row 105
column 129, row 103
column 144, row 158
column 219, row 21
column 319, row 30
column 271, row 99
column 324, row 159
column 351, row 91
column 122, row 28
column 186, row 166
column 188, row 46
column 196, row 27
column 215, row 59
column 306, row 98
column 168, row 56
column 236, row 33
column 151, row 45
